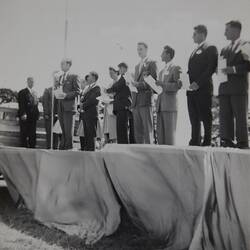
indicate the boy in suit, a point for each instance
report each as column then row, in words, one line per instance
column 89, row 112
column 142, row 100
column 122, row 102
column 201, row 66
column 233, row 94
column 166, row 104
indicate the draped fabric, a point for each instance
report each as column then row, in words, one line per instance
column 192, row 197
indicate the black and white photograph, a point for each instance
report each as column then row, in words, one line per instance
column 124, row 125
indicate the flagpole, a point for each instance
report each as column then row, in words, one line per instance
column 66, row 28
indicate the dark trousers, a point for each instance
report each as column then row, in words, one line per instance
column 131, row 127
column 28, row 133
column 200, row 110
column 88, row 141
column 234, row 108
column 67, row 123
column 122, row 126
column 56, row 137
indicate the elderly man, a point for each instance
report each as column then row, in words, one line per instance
column 70, row 89
column 28, row 114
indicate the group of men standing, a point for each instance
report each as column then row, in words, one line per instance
column 133, row 106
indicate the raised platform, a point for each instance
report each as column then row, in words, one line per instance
column 192, row 197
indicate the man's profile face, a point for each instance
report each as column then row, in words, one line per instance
column 30, row 82
column 142, row 50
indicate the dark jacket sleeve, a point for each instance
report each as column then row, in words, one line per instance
column 242, row 68
column 211, row 67
column 21, row 103
column 91, row 100
column 76, row 89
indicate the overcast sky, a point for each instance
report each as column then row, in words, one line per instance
column 103, row 33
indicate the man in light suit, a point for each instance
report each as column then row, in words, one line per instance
column 201, row 66
column 69, row 84
column 142, row 100
column 166, row 104
column 233, row 94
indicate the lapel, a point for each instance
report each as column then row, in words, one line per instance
column 142, row 69
column 88, row 91
column 194, row 53
column 234, row 52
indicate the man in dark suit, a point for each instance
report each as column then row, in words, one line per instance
column 233, row 94
column 201, row 66
column 89, row 112
column 69, row 84
column 28, row 114
column 122, row 102
column 142, row 100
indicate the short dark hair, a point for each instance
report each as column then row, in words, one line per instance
column 123, row 64
column 202, row 29
column 143, row 43
column 113, row 69
column 169, row 51
column 86, row 77
column 235, row 24
column 93, row 73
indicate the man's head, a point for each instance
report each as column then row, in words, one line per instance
column 200, row 34
column 142, row 49
column 113, row 73
column 66, row 64
column 123, row 68
column 167, row 54
column 233, row 30
column 30, row 82
column 93, row 77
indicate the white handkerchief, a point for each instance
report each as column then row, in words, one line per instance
column 104, row 98
column 222, row 64
column 151, row 82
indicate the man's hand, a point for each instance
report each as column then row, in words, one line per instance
column 61, row 96
column 194, row 86
column 24, row 117
column 134, row 83
column 228, row 70
column 46, row 117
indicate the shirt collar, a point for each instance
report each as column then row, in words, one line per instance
column 235, row 43
column 30, row 90
column 201, row 44
column 144, row 60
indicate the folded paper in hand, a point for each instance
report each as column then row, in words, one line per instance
column 245, row 50
column 151, row 82
column 104, row 98
column 59, row 94
column 57, row 128
column 222, row 64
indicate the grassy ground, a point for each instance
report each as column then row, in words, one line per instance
column 127, row 237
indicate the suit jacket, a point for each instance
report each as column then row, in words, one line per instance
column 47, row 102
column 71, row 88
column 89, row 103
column 237, row 83
column 122, row 95
column 201, row 66
column 27, row 104
column 144, row 95
column 167, row 100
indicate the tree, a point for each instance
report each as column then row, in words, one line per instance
column 7, row 95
